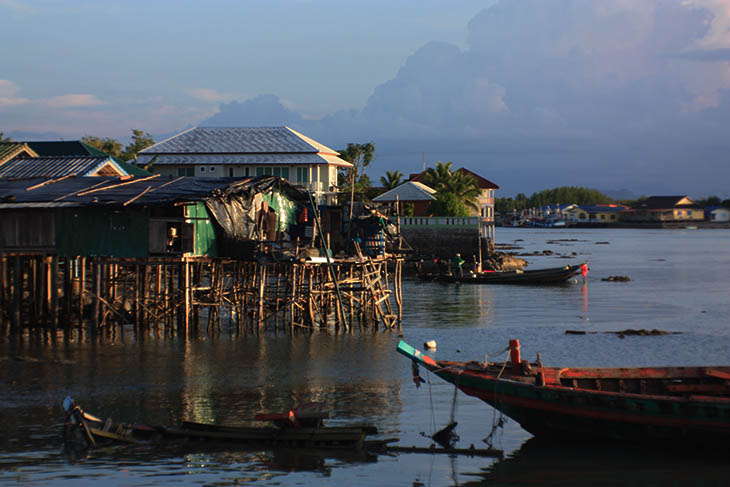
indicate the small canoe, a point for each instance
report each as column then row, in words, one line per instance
column 552, row 275
column 639, row 404
column 82, row 429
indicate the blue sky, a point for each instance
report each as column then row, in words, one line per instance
column 161, row 63
column 532, row 94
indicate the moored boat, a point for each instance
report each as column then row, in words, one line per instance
column 301, row 427
column 552, row 275
column 643, row 404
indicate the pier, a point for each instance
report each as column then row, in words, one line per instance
column 191, row 295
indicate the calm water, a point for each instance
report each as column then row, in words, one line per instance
column 680, row 281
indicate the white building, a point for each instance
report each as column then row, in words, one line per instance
column 248, row 151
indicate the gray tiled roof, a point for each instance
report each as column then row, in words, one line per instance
column 235, row 140
column 231, row 159
column 52, row 167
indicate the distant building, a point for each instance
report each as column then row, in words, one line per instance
column 664, row 209
column 607, row 214
column 486, row 199
column 411, row 192
column 249, row 151
column 485, row 203
column 717, row 214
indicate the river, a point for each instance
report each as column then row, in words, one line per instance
column 679, row 282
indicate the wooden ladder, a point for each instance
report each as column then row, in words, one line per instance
column 379, row 292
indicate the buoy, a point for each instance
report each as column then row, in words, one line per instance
column 431, row 344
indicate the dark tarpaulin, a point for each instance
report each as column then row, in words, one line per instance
column 235, row 207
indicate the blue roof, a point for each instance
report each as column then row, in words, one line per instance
column 602, row 208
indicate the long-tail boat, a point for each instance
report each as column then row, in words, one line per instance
column 301, row 427
column 551, row 275
column 689, row 404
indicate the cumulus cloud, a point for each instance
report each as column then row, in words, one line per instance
column 554, row 92
column 263, row 110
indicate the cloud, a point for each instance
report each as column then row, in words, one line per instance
column 8, row 89
column 76, row 100
column 17, row 6
column 263, row 110
column 209, row 95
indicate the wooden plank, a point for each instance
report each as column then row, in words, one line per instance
column 708, row 388
column 720, row 374
column 119, row 185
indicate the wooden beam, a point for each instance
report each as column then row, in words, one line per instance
column 133, row 181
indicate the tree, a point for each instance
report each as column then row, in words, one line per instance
column 4, row 139
column 140, row 140
column 360, row 156
column 354, row 180
column 107, row 145
column 568, row 195
column 448, row 204
column 447, row 182
column 392, row 179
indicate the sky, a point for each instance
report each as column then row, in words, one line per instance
column 532, row 94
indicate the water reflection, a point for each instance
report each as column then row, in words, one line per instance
column 452, row 304
column 540, row 462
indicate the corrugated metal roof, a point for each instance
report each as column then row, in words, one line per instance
column 53, row 167
column 408, row 191
column 238, row 140
column 8, row 150
column 234, row 159
column 106, row 191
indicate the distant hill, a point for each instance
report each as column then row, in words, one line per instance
column 20, row 135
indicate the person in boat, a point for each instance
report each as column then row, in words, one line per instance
column 458, row 265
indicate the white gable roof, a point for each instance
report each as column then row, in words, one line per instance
column 408, row 191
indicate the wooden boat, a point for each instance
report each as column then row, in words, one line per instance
column 690, row 404
column 552, row 275
column 302, row 427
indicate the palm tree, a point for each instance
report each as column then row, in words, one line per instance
column 465, row 188
column 448, row 182
column 391, row 179
column 438, row 177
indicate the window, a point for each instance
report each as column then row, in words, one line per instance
column 281, row 172
column 603, row 217
column 202, row 169
column 230, row 172
column 186, row 171
column 613, row 217
column 689, row 212
column 302, row 174
column 212, row 168
column 246, row 171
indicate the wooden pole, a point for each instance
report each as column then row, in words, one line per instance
column 53, row 283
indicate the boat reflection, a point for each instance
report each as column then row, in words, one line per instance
column 207, row 456
column 540, row 462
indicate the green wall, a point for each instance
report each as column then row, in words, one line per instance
column 103, row 232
